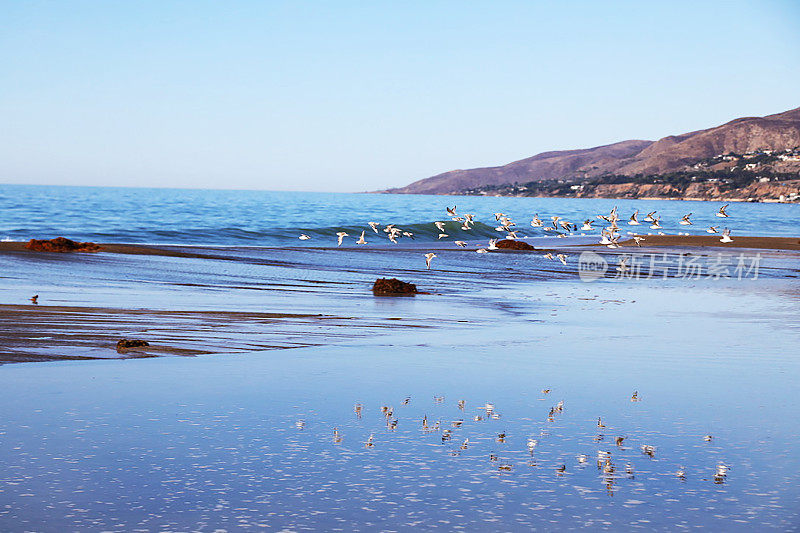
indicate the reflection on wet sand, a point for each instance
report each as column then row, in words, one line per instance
column 43, row 333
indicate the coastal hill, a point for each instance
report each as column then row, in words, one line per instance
column 676, row 153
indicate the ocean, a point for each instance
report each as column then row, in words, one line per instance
column 264, row 218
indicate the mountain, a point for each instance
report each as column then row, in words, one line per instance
column 628, row 158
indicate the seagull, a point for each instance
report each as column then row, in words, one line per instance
column 341, row 235
column 685, row 220
column 726, row 236
column 361, row 239
column 303, row 237
column 35, row 299
column 634, row 221
column 713, row 229
column 462, row 244
column 374, row 226
column 451, row 212
column 721, row 213
column 562, row 258
column 428, row 257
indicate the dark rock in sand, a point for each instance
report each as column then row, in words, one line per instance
column 61, row 244
column 125, row 344
column 511, row 244
column 393, row 287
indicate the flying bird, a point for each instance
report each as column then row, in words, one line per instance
column 341, row 235
column 428, row 258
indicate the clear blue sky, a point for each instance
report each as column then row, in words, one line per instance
column 340, row 96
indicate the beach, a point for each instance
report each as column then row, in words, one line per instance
column 243, row 410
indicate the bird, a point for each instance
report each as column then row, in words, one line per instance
column 638, row 240
column 545, row 391
column 548, row 255
column 722, row 213
column 722, row 470
column 648, row 450
column 561, row 469
column 583, row 458
column 649, row 217
column 685, row 220
column 35, row 299
column 681, row 473
column 337, row 438
column 492, row 244
column 409, row 235
column 532, row 444
column 442, row 236
column 482, row 251
column 726, row 236
column 536, row 222
column 635, row 396
column 300, row 424
column 361, row 239
column 461, row 244
column 713, row 229
column 357, row 408
column 451, row 212
column 303, row 237
column 440, row 226
column 587, row 225
column 428, row 258
column 341, row 235
column 634, row 221
column 562, row 258
column 369, row 443
column 656, row 223
column 374, row 226
column 618, row 441
column 600, row 422
column 707, row 438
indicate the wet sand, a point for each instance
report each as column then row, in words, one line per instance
column 683, row 241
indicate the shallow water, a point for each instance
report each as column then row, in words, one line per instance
column 213, row 442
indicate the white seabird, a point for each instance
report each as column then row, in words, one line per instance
column 341, row 235
column 428, row 258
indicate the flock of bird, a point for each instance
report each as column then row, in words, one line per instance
column 560, row 227
column 447, row 432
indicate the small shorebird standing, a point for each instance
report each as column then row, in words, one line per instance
column 341, row 235
column 428, row 258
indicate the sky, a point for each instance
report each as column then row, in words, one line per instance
column 354, row 96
